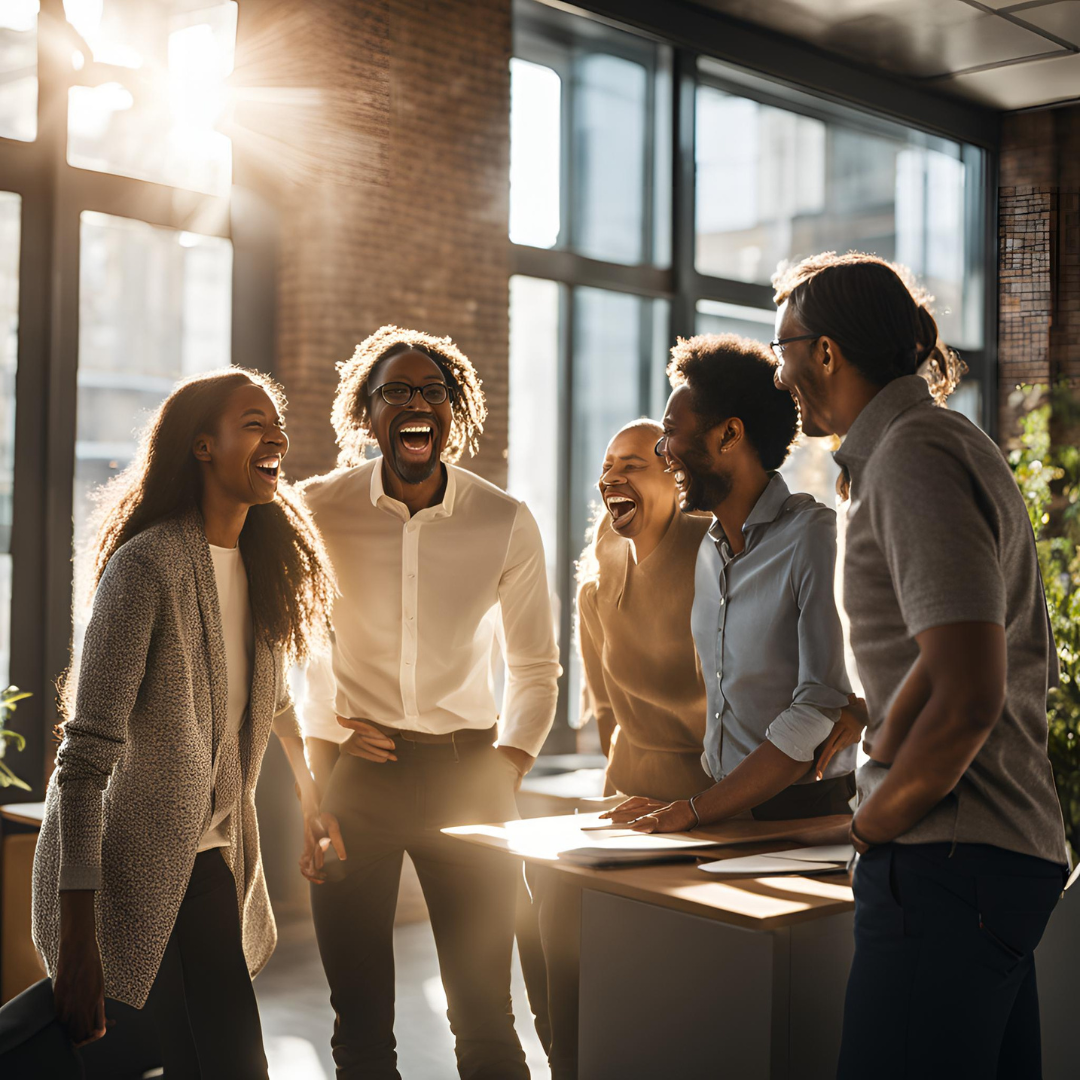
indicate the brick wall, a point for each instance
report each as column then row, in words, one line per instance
column 1039, row 252
column 387, row 152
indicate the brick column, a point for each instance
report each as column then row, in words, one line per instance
column 1038, row 253
column 395, row 203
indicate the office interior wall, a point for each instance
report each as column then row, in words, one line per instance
column 1039, row 253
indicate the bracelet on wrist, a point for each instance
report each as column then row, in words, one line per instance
column 693, row 810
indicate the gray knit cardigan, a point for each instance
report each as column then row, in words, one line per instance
column 130, row 795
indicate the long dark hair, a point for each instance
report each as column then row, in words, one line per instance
column 290, row 581
column 876, row 312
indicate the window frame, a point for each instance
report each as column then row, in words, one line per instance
column 784, row 74
column 54, row 195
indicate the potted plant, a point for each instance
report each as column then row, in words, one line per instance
column 1046, row 464
column 8, row 698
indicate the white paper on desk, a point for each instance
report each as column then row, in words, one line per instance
column 605, row 850
column 820, row 860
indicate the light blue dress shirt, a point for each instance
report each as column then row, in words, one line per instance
column 768, row 634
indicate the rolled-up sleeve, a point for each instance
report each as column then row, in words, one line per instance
column 532, row 655
column 111, row 673
column 823, row 687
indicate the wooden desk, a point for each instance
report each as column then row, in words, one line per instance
column 20, row 965
column 683, row 975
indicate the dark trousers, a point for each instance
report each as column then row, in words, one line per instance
column 200, row 1021
column 202, row 1003
column 942, row 985
column 385, row 810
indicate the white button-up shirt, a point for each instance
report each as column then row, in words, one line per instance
column 421, row 601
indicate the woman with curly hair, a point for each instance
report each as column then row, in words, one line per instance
column 210, row 579
column 401, row 724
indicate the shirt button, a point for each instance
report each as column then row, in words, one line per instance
column 721, row 601
column 717, row 716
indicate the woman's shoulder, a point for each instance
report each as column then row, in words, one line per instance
column 158, row 550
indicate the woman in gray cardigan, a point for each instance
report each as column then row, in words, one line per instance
column 210, row 579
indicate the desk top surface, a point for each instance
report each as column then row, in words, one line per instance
column 762, row 903
column 26, row 813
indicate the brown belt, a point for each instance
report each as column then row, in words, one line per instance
column 449, row 738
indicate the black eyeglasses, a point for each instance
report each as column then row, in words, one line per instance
column 777, row 346
column 400, row 394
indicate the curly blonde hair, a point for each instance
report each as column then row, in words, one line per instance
column 350, row 411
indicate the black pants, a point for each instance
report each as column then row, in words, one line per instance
column 202, row 1003
column 942, row 986
column 385, row 810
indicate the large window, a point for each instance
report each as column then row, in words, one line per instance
column 9, row 339
column 116, row 272
column 653, row 193
column 154, row 306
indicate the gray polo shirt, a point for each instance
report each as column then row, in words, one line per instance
column 938, row 533
column 768, row 635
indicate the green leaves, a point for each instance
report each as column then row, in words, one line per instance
column 1047, row 470
column 8, row 698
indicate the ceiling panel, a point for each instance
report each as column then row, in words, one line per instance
column 1022, row 86
column 962, row 48
column 1061, row 19
column 918, row 38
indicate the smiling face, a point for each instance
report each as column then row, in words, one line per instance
column 800, row 372
column 700, row 480
column 242, row 457
column 411, row 437
column 635, row 484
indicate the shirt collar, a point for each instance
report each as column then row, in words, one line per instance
column 871, row 424
column 766, row 509
column 380, row 499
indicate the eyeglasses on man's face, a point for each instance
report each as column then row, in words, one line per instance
column 401, row 394
column 777, row 346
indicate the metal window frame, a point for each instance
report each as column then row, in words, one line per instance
column 800, row 78
column 54, row 195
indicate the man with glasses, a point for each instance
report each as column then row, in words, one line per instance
column 962, row 848
column 401, row 723
column 781, row 722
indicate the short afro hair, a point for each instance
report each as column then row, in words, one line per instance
column 731, row 376
column 349, row 414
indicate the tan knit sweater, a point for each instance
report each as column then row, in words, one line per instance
column 641, row 670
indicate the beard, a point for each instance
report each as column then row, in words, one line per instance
column 708, row 486
column 415, row 472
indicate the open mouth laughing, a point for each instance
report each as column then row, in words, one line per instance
column 622, row 508
column 416, row 439
column 268, row 468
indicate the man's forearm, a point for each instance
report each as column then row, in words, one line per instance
column 940, row 746
column 322, row 756
column 761, row 775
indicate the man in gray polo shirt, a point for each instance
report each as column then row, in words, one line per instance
column 958, row 824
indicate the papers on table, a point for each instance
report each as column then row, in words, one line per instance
column 621, row 847
column 585, row 840
column 825, row 859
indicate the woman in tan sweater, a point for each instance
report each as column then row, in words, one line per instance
column 636, row 588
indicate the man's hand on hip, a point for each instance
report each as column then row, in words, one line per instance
column 366, row 741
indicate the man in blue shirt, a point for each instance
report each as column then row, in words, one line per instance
column 764, row 619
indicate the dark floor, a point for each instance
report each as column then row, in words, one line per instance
column 297, row 1020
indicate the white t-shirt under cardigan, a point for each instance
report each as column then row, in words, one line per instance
column 239, row 635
